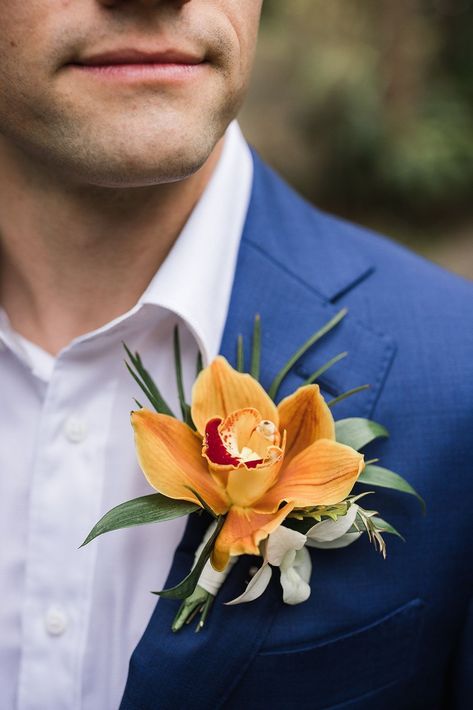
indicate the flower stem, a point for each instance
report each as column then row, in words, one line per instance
column 199, row 602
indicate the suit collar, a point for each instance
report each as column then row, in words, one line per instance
column 291, row 267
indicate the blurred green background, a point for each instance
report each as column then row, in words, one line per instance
column 366, row 107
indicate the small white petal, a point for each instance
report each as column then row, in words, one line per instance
column 340, row 542
column 295, row 573
column 280, row 542
column 329, row 530
column 303, row 564
column 255, row 587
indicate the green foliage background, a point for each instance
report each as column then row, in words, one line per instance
column 366, row 106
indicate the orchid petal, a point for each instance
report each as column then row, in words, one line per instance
column 220, row 390
column 323, row 474
column 169, row 454
column 296, row 569
column 277, row 545
column 255, row 587
column 329, row 530
column 242, row 532
column 245, row 485
column 306, row 417
column 337, row 544
column 280, row 542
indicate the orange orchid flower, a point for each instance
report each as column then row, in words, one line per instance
column 249, row 459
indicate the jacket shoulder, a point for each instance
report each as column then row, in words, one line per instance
column 306, row 234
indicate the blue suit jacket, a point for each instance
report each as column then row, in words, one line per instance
column 374, row 634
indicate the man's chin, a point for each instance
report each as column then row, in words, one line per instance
column 133, row 165
column 126, row 175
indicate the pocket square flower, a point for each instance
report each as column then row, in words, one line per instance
column 277, row 478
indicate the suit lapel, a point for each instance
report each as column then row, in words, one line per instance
column 297, row 272
column 294, row 290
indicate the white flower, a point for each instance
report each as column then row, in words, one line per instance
column 332, row 534
column 285, row 549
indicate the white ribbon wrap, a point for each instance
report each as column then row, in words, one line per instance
column 210, row 579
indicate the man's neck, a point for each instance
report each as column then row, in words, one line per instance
column 74, row 258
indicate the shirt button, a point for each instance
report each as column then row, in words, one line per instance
column 75, row 430
column 55, row 621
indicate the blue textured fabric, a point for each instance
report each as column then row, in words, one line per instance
column 374, row 634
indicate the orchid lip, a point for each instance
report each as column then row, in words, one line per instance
column 219, row 454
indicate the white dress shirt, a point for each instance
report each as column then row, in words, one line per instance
column 70, row 618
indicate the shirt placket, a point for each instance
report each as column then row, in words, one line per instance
column 65, row 497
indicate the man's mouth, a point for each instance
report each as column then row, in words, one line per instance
column 130, row 64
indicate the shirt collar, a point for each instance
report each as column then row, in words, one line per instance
column 195, row 280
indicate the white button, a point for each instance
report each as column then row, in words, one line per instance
column 75, row 430
column 55, row 621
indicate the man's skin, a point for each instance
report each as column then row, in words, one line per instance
column 99, row 169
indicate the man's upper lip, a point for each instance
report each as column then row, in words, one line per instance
column 139, row 56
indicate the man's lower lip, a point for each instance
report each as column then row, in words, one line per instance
column 164, row 72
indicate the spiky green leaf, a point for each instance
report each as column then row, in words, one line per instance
column 315, row 375
column 199, row 365
column 146, row 382
column 332, row 323
column 347, row 394
column 240, row 359
column 384, row 527
column 185, row 409
column 256, row 349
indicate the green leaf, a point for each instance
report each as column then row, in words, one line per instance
column 273, row 390
column 385, row 527
column 141, row 384
column 185, row 588
column 203, row 503
column 185, row 409
column 256, row 349
column 146, row 382
column 240, row 363
column 349, row 393
column 378, row 476
column 315, row 375
column 154, row 508
column 199, row 366
column 357, row 432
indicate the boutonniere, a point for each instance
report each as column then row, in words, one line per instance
column 275, row 478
